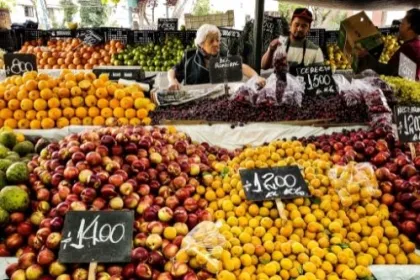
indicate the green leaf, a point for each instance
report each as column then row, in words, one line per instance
column 300, row 270
column 344, row 245
column 224, row 172
column 315, row 200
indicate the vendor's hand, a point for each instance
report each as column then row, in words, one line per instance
column 261, row 82
column 174, row 85
column 274, row 44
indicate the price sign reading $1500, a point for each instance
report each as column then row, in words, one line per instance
column 271, row 183
column 318, row 80
column 97, row 236
column 17, row 64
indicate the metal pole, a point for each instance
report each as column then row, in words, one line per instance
column 258, row 24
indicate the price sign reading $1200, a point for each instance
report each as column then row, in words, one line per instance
column 271, row 183
column 90, row 236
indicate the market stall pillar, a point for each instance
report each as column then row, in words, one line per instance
column 258, row 24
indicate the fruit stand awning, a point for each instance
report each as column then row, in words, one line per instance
column 360, row 4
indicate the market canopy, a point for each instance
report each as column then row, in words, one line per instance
column 360, row 4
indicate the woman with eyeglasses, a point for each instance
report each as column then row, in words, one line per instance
column 193, row 68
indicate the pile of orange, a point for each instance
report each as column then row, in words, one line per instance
column 71, row 53
column 37, row 100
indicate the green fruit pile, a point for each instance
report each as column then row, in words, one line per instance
column 406, row 91
column 151, row 57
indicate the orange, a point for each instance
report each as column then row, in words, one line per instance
column 93, row 112
column 23, row 124
column 151, row 106
column 75, row 121
column 118, row 112
column 147, row 121
column 2, row 90
column 65, row 102
column 77, row 101
column 85, row 84
column 126, row 102
column 87, row 121
column 102, row 103
column 90, row 101
column 31, row 115
column 52, row 83
column 43, row 76
column 26, row 104
column 122, row 121
column 18, row 115
column 141, row 103
column 63, row 92
column 9, row 95
column 31, row 85
column 135, row 121
column 130, row 113
column 22, row 94
column 98, row 83
column 75, row 91
column 42, row 84
column 46, row 94
column 71, row 85
column 34, row 94
column 114, row 103
column 98, row 120
column 138, row 94
column 80, row 76
column 90, row 76
column 111, row 89
column 18, row 81
column 68, row 112
column 47, row 123
column 142, row 113
column 70, row 77
column 40, row 104
column 54, row 113
column 62, row 122
column 41, row 115
column 119, row 94
column 106, row 112
column 54, row 103
column 35, row 124
column 13, row 104
column 2, row 104
column 101, row 92
column 81, row 112
column 104, row 77
column 12, row 123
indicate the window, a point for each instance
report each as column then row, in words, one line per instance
column 29, row 11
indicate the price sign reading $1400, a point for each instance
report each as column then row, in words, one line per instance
column 271, row 183
column 97, row 236
column 17, row 64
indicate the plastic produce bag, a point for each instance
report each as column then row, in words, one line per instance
column 267, row 95
column 395, row 272
column 281, row 67
column 354, row 182
column 351, row 92
column 205, row 244
column 251, row 94
column 293, row 92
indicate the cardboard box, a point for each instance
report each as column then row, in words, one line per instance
column 358, row 30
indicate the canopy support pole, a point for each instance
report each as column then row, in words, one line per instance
column 258, row 25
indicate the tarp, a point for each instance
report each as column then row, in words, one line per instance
column 370, row 5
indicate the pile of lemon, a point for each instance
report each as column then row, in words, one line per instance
column 320, row 238
column 39, row 101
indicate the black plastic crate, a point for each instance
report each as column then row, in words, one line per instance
column 62, row 34
column 141, row 37
column 118, row 34
column 190, row 37
column 8, row 40
column 25, row 35
column 165, row 35
column 389, row 31
column 331, row 37
column 317, row 36
column 231, row 40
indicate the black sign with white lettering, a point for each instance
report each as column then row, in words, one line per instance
column 90, row 37
column 230, row 33
column 168, row 24
column 408, row 123
column 225, row 69
column 134, row 73
column 97, row 236
column 318, row 80
column 17, row 64
column 407, row 68
column 271, row 183
column 268, row 30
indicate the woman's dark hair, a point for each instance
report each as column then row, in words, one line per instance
column 413, row 18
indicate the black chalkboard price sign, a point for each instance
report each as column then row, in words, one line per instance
column 97, row 236
column 272, row 183
column 407, row 68
column 318, row 80
column 134, row 73
column 17, row 64
column 167, row 24
column 408, row 123
column 91, row 37
column 225, row 69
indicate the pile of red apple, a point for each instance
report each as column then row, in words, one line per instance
column 153, row 172
column 396, row 171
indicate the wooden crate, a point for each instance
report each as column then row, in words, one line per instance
column 223, row 20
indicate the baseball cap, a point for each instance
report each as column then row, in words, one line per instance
column 303, row 13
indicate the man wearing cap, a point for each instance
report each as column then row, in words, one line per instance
column 301, row 52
